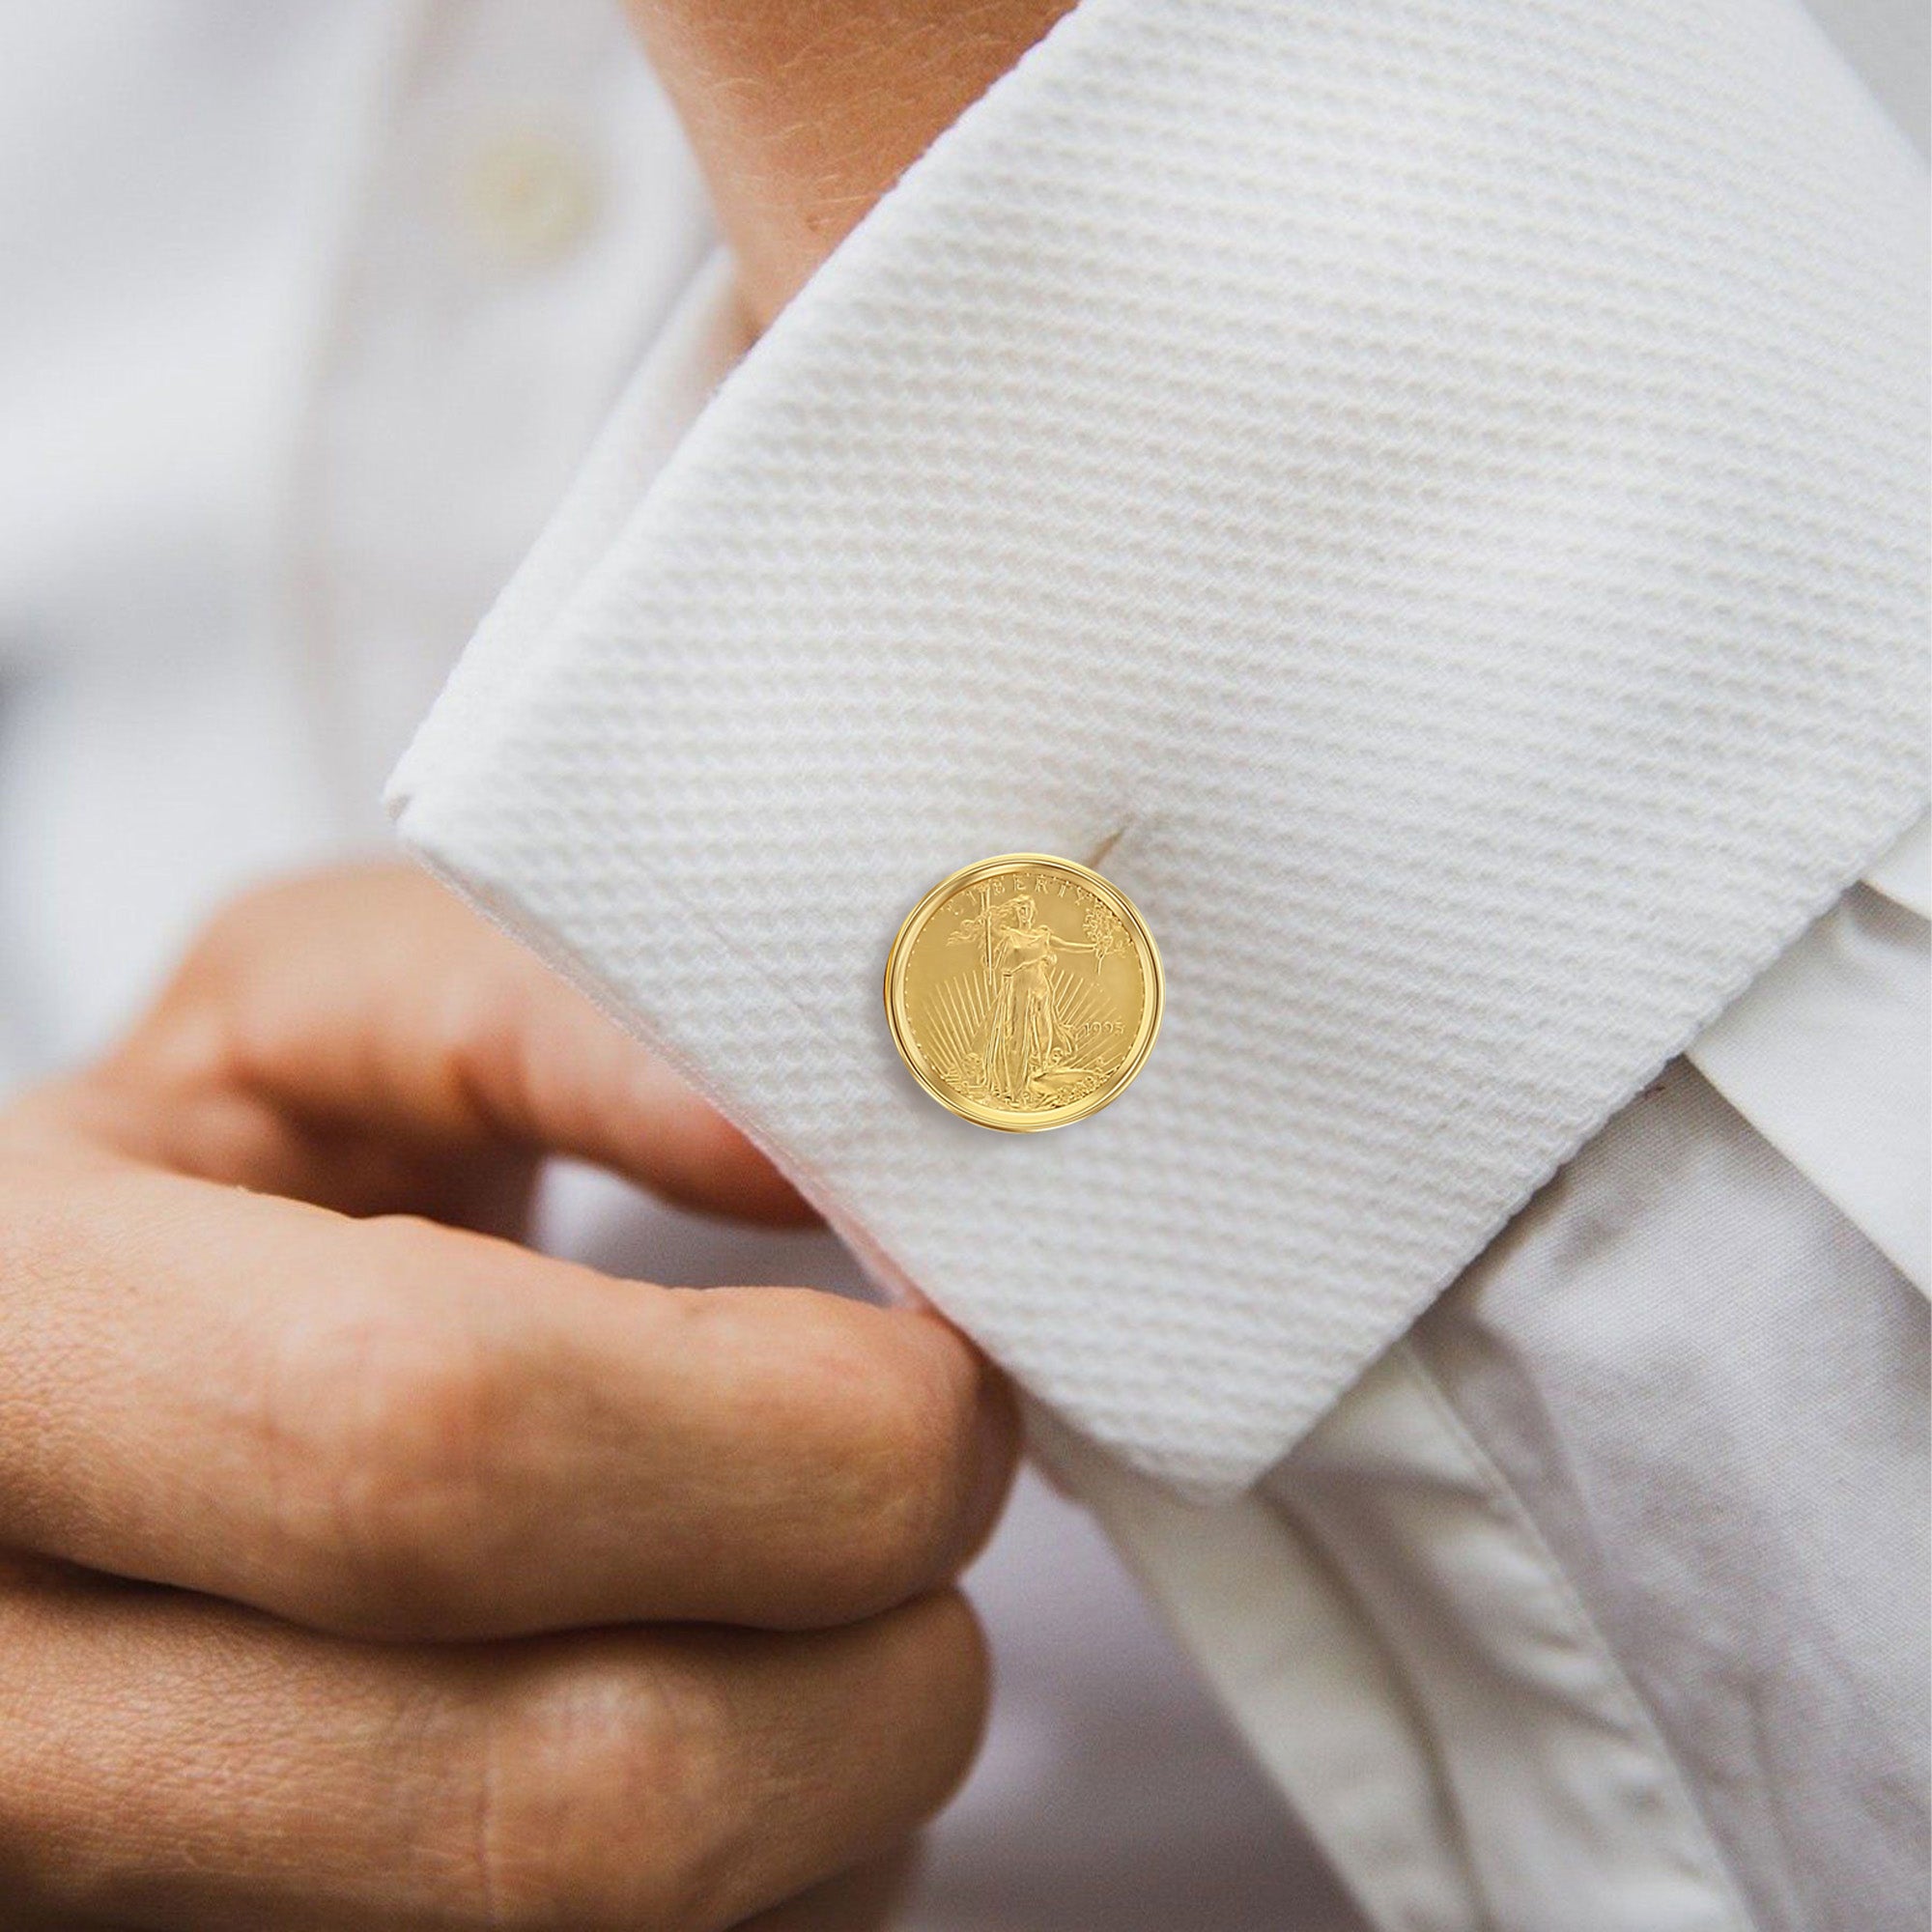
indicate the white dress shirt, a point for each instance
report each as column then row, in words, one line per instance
column 1598, row 1601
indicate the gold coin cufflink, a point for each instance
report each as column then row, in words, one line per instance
column 1024, row 992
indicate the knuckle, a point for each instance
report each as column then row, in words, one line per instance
column 909, row 1473
column 625, row 1784
column 593, row 1804
column 386, row 1433
column 477, row 1026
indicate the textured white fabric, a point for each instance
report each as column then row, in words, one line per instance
column 1440, row 485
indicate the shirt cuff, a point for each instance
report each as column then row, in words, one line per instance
column 1435, row 490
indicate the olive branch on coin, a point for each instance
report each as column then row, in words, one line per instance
column 1105, row 933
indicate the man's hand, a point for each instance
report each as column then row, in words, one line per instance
column 361, row 1571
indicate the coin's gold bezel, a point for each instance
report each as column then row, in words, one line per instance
column 1001, row 1120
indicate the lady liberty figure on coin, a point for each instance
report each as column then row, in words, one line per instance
column 1022, row 1023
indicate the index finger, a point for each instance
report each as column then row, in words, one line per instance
column 389, row 1039
column 389, row 1428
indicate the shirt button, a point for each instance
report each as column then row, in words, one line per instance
column 530, row 196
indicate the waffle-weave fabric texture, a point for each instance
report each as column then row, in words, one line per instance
column 1435, row 489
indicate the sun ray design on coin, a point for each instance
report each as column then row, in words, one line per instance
column 1024, row 992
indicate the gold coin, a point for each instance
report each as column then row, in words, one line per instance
column 1024, row 992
